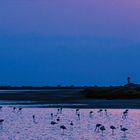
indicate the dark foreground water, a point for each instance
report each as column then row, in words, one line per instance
column 80, row 104
column 61, row 98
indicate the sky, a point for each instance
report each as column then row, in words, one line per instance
column 69, row 42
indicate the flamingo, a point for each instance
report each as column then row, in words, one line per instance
column 33, row 116
column 58, row 111
column 53, row 123
column 90, row 114
column 77, row 110
column 113, row 128
column 14, row 108
column 100, row 111
column 51, row 115
column 1, row 122
column 105, row 112
column 102, row 128
column 124, row 130
column 20, row 109
column 78, row 116
column 71, row 123
column 125, row 114
column 34, row 119
column 97, row 127
column 58, row 119
column 63, row 128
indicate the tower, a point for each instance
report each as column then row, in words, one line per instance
column 128, row 79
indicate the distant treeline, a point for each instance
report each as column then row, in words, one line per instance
column 122, row 92
column 41, row 87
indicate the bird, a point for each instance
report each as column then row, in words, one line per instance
column 53, row 123
column 0, row 108
column 58, row 119
column 100, row 110
column 124, row 130
column 33, row 116
column 105, row 112
column 98, row 125
column 61, row 110
column 125, row 114
column 19, row 109
column 71, row 123
column 102, row 128
column 14, row 108
column 58, row 111
column 34, row 119
column 63, row 128
column 78, row 116
column 51, row 115
column 1, row 121
column 77, row 111
column 90, row 114
column 113, row 128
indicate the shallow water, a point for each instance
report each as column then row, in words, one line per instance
column 64, row 97
column 19, row 125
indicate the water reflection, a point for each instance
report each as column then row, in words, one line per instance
column 65, row 124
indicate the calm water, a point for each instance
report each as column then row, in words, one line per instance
column 65, row 98
column 20, row 125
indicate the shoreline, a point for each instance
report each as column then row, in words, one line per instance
column 114, row 104
column 62, row 98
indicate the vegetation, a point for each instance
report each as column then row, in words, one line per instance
column 129, row 91
column 39, row 87
column 122, row 92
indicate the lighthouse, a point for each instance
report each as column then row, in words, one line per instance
column 129, row 80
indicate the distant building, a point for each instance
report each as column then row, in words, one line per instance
column 128, row 79
column 131, row 84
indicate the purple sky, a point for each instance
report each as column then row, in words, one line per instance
column 81, row 42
